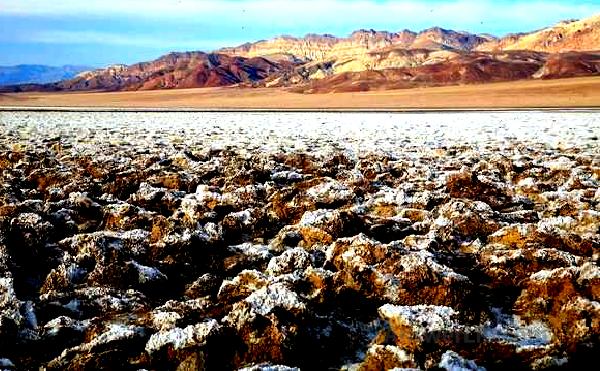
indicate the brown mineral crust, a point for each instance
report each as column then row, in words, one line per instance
column 386, row 357
column 312, row 236
column 510, row 267
column 124, row 217
column 519, row 236
column 464, row 220
column 160, row 228
column 568, row 299
column 467, row 184
column 397, row 276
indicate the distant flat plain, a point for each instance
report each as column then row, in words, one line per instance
column 563, row 93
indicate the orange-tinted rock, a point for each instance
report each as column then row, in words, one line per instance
column 467, row 184
column 418, row 327
column 463, row 220
column 395, row 275
column 545, row 234
column 509, row 267
column 387, row 357
column 268, row 322
column 567, row 298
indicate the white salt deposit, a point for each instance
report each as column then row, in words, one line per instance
column 352, row 133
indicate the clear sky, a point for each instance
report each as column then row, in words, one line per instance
column 102, row 32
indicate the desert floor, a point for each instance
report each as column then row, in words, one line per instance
column 575, row 92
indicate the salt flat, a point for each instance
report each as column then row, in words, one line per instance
column 353, row 132
column 366, row 241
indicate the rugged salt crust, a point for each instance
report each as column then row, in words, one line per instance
column 173, row 241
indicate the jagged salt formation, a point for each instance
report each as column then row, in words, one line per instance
column 356, row 242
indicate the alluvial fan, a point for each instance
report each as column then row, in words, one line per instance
column 261, row 241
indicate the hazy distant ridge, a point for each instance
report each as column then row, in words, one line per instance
column 38, row 74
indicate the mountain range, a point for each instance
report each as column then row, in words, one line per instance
column 365, row 60
column 35, row 73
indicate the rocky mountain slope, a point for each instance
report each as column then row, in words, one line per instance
column 365, row 60
column 582, row 35
column 172, row 71
column 180, row 70
column 37, row 74
column 457, row 68
column 325, row 47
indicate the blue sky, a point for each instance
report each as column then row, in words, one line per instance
column 102, row 32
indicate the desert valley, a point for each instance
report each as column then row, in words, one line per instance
column 367, row 60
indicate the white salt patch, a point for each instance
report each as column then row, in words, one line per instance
column 264, row 300
column 316, row 133
column 192, row 335
column 512, row 329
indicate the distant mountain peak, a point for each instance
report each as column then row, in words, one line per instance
column 37, row 73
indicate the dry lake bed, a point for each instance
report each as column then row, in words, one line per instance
column 284, row 241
